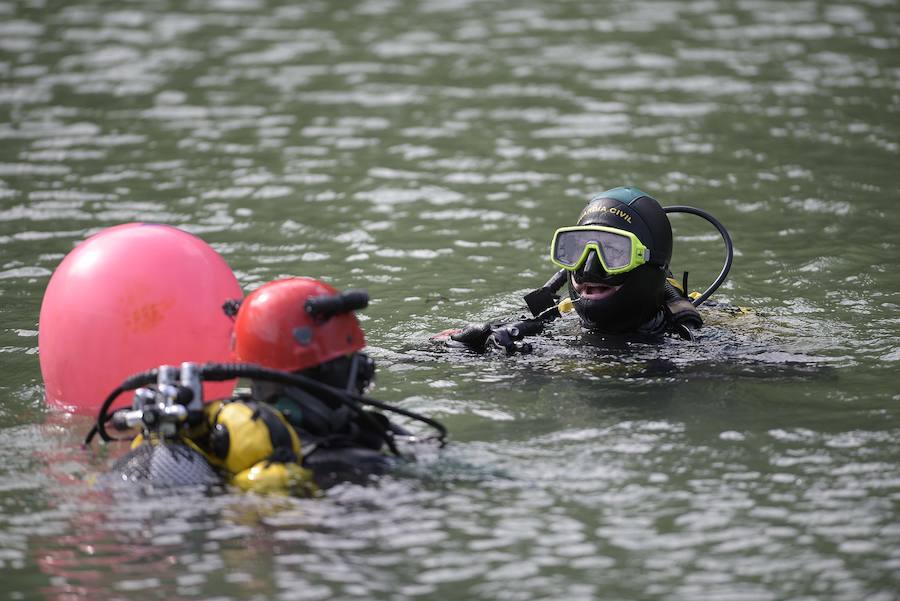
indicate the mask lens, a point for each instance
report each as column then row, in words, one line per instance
column 615, row 249
column 570, row 246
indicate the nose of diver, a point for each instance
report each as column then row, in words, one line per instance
column 593, row 269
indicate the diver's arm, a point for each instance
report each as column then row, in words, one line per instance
column 544, row 304
column 683, row 312
column 474, row 335
column 508, row 337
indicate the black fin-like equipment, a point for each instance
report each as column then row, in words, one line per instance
column 543, row 298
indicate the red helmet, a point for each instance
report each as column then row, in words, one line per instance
column 297, row 323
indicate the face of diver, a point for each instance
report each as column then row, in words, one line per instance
column 617, row 304
column 621, row 303
column 592, row 282
column 352, row 372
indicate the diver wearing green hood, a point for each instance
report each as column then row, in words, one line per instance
column 615, row 261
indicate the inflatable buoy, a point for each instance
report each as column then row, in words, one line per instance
column 127, row 299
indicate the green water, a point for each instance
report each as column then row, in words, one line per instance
column 426, row 151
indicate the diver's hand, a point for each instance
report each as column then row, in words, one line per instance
column 481, row 336
column 509, row 337
column 474, row 335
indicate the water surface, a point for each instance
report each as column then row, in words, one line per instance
column 426, row 151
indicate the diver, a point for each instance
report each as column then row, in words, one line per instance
column 305, row 422
column 615, row 263
column 304, row 326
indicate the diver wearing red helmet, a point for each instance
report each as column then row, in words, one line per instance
column 305, row 420
column 305, row 326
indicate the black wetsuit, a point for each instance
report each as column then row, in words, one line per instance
column 676, row 316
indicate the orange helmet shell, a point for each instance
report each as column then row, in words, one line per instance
column 273, row 329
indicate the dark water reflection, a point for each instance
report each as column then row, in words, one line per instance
column 426, row 150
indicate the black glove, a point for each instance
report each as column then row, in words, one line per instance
column 474, row 335
column 506, row 337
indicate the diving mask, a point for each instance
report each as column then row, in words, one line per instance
column 619, row 250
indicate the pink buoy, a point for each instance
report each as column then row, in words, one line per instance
column 127, row 299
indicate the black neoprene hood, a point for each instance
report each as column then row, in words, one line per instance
column 630, row 209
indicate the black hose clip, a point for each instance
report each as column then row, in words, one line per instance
column 231, row 307
column 509, row 339
column 539, row 300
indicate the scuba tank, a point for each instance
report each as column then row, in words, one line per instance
column 244, row 442
column 161, row 455
column 183, row 441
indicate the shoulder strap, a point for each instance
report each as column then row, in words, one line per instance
column 311, row 414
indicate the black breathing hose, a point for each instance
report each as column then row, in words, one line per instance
column 227, row 371
column 136, row 381
column 214, row 372
column 556, row 281
column 729, row 249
